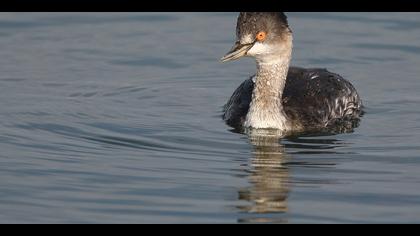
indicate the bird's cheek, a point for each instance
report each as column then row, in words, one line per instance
column 256, row 50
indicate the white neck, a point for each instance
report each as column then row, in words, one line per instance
column 266, row 109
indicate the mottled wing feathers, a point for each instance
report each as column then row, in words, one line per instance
column 318, row 97
column 235, row 110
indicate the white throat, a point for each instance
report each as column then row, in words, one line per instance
column 266, row 109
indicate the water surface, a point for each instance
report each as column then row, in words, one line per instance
column 115, row 118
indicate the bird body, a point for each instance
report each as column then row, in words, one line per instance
column 312, row 99
column 279, row 96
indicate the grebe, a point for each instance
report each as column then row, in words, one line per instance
column 279, row 97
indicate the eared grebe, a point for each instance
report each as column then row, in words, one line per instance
column 279, row 97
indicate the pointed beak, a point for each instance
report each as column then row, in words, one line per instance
column 238, row 50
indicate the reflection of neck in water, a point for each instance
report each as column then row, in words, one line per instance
column 268, row 177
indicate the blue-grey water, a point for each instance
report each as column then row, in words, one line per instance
column 115, row 118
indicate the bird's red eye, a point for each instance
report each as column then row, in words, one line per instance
column 261, row 36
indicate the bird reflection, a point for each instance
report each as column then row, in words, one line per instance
column 269, row 172
column 268, row 177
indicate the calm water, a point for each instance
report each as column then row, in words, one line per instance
column 115, row 118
